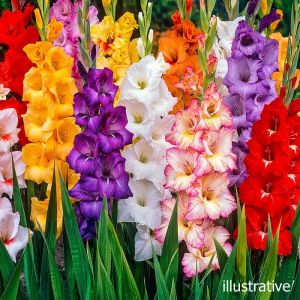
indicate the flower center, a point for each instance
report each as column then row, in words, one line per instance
column 173, row 54
column 143, row 159
column 138, row 119
column 211, row 108
column 268, row 188
column 141, row 84
column 246, row 41
column 268, row 155
column 188, row 168
column 142, row 201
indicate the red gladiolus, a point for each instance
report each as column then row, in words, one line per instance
column 273, row 185
column 11, row 76
column 15, row 33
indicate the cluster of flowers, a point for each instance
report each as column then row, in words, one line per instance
column 272, row 188
column 222, row 49
column 49, row 122
column 197, row 171
column 66, row 12
column 148, row 102
column 253, row 60
column 96, row 153
column 179, row 48
column 8, row 138
column 14, row 35
column 115, row 49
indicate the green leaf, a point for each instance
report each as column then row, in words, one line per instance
column 102, row 238
column 11, row 288
column 104, row 286
column 6, row 266
column 170, row 249
column 30, row 273
column 58, row 287
column 79, row 258
column 50, row 236
column 204, row 20
column 173, row 295
column 126, row 285
column 210, row 39
column 222, row 255
column 172, row 271
column 287, row 269
column 241, row 252
column 210, row 7
column 227, row 275
column 296, row 286
column 269, row 268
column 70, row 276
column 161, row 286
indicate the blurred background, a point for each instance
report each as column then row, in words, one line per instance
column 162, row 10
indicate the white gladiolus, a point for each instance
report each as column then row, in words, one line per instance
column 148, row 102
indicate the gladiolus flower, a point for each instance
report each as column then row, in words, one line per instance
column 8, row 129
column 213, row 200
column 6, row 171
column 13, row 236
column 180, row 171
column 198, row 259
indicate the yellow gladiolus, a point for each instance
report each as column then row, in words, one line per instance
column 38, row 165
column 38, row 18
column 61, row 142
column 54, row 29
column 264, row 6
column 127, row 24
column 37, row 52
column 274, row 25
column 57, row 60
column 283, row 44
column 49, row 123
column 133, row 51
column 116, row 51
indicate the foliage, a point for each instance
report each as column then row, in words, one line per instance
column 102, row 269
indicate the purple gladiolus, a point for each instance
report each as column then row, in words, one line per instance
column 267, row 20
column 99, row 87
column 249, row 81
column 247, row 41
column 252, row 5
column 96, row 153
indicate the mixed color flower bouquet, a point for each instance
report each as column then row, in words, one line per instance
column 133, row 173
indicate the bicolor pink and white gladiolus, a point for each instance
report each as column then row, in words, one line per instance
column 197, row 169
